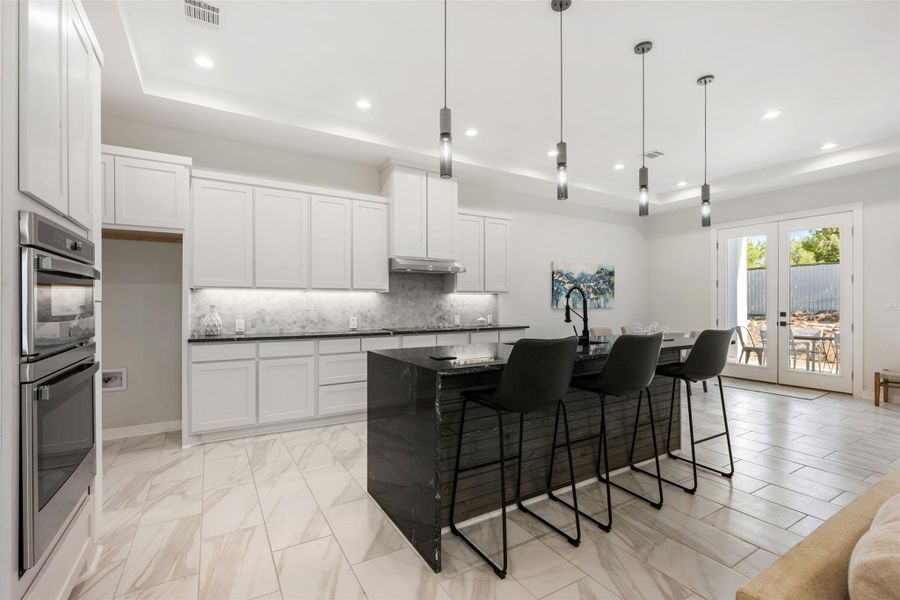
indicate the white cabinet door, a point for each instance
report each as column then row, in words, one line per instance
column 380, row 343
column 222, row 227
column 342, row 368
column 108, row 188
column 470, row 252
column 346, row 398
column 410, row 214
column 80, row 144
column 485, row 337
column 281, row 226
column 370, row 245
column 330, row 246
column 442, row 204
column 287, row 389
column 496, row 255
column 43, row 113
column 151, row 193
column 223, row 395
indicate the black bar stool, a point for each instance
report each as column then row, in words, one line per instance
column 706, row 360
column 536, row 377
column 629, row 368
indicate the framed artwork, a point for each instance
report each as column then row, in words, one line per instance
column 597, row 281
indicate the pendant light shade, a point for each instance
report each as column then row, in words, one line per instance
column 445, row 150
column 643, row 175
column 705, row 210
column 562, row 167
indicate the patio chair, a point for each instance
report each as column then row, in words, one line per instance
column 749, row 346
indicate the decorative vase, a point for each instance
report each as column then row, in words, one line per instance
column 212, row 322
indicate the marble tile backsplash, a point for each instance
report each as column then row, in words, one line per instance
column 413, row 299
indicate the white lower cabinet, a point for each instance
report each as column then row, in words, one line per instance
column 419, row 341
column 453, row 339
column 287, row 389
column 342, row 368
column 485, row 337
column 223, row 395
column 343, row 398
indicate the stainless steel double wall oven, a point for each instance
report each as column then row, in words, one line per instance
column 56, row 372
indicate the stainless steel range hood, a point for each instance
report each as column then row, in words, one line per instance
column 424, row 265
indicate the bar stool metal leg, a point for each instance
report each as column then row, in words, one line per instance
column 657, row 504
column 499, row 571
column 575, row 541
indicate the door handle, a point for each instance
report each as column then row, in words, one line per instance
column 782, row 323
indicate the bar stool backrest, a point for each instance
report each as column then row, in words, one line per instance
column 537, row 374
column 631, row 364
column 709, row 354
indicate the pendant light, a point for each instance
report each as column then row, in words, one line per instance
column 643, row 176
column 445, row 150
column 705, row 218
column 562, row 173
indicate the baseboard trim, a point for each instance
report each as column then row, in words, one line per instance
column 117, row 433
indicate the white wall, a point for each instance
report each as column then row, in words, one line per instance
column 545, row 230
column 223, row 154
column 142, row 330
column 680, row 256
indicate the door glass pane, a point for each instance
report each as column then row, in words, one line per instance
column 746, row 259
column 814, row 342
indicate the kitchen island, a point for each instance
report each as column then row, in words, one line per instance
column 413, row 415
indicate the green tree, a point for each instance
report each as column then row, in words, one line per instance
column 820, row 246
column 756, row 253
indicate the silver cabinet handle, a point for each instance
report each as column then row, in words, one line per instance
column 43, row 392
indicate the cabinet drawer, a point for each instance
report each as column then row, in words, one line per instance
column 345, row 398
column 282, row 349
column 339, row 346
column 511, row 336
column 453, row 339
column 420, row 341
column 210, row 352
column 485, row 337
column 380, row 343
column 342, row 368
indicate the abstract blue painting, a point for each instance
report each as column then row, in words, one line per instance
column 598, row 282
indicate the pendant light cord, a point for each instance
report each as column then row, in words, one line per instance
column 445, row 53
column 704, row 133
column 560, row 75
column 643, row 115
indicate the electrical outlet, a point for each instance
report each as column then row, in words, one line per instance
column 239, row 326
column 456, row 320
column 353, row 323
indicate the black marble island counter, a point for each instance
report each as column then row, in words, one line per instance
column 414, row 406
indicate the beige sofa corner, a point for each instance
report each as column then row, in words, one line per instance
column 816, row 568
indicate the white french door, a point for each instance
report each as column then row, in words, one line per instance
column 786, row 288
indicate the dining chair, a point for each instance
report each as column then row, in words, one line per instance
column 694, row 334
column 749, row 346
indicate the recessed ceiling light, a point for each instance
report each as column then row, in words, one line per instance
column 829, row 146
column 681, row 183
column 772, row 114
column 363, row 104
column 618, row 166
column 471, row 132
column 204, row 61
column 552, row 153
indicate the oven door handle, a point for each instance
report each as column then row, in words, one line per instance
column 66, row 380
column 45, row 263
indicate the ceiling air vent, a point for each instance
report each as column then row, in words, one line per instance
column 201, row 12
column 652, row 154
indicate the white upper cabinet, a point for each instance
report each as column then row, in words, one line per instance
column 408, row 190
column 370, row 245
column 496, row 255
column 150, row 193
column 43, row 102
column 281, row 247
column 442, row 204
column 82, row 150
column 470, row 252
column 330, row 242
column 108, row 188
column 222, row 227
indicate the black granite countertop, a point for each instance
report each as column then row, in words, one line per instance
column 339, row 333
column 480, row 357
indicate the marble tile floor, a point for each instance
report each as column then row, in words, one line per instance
column 287, row 515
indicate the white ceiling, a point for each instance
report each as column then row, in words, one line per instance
column 289, row 74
